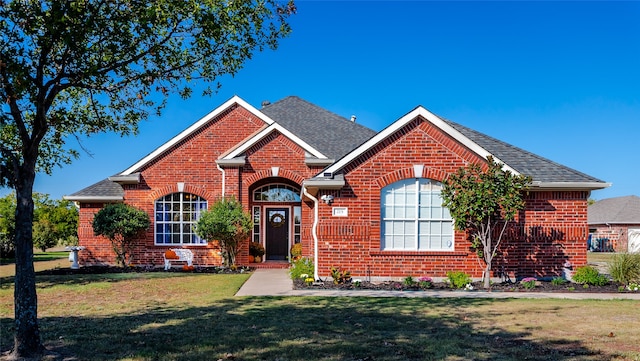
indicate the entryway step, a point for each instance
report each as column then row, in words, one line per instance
column 271, row 265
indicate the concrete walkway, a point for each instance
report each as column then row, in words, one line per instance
column 276, row 282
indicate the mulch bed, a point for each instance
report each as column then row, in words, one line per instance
column 541, row 286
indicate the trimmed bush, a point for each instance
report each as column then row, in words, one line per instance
column 588, row 275
column 302, row 266
column 458, row 279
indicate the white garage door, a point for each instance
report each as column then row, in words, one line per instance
column 634, row 240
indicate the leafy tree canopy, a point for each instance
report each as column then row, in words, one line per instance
column 121, row 224
column 227, row 223
column 482, row 200
column 76, row 68
column 82, row 67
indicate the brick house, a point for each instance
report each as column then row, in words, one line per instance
column 614, row 224
column 363, row 201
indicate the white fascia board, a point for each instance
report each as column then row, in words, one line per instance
column 194, row 127
column 270, row 129
column 94, row 199
column 433, row 119
column 569, row 185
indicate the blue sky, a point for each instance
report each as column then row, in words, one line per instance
column 559, row 79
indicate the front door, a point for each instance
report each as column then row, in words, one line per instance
column 277, row 233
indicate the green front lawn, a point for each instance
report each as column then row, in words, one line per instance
column 185, row 316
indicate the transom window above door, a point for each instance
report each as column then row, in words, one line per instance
column 276, row 193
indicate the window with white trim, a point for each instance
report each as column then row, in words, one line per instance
column 176, row 215
column 413, row 218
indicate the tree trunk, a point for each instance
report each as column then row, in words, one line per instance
column 27, row 334
column 487, row 276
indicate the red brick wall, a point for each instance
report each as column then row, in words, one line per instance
column 555, row 222
column 549, row 232
column 617, row 235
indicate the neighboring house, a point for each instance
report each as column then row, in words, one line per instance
column 614, row 224
column 363, row 201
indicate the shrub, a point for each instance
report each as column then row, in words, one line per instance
column 302, row 266
column 409, row 281
column 425, row 282
column 121, row 224
column 625, row 268
column 558, row 281
column 588, row 275
column 458, row 279
column 228, row 224
column 528, row 283
column 339, row 276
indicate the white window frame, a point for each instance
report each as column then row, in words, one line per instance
column 404, row 217
column 161, row 219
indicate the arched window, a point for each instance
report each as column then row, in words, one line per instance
column 413, row 217
column 176, row 217
column 276, row 193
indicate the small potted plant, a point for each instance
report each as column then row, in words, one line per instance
column 296, row 251
column 256, row 250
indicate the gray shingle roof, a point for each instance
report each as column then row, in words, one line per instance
column 619, row 210
column 336, row 136
column 329, row 133
column 105, row 189
column 527, row 163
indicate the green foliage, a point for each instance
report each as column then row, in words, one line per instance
column 625, row 268
column 458, row 279
column 77, row 68
column 121, row 224
column 228, row 224
column 409, row 281
column 481, row 201
column 55, row 222
column 256, row 249
column 302, row 266
column 340, row 276
column 7, row 225
column 528, row 283
column 588, row 275
column 558, row 281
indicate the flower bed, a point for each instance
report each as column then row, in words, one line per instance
column 541, row 286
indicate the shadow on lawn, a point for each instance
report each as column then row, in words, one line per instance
column 272, row 328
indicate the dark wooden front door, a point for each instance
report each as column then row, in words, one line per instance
column 277, row 233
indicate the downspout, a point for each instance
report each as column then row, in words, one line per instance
column 224, row 176
column 314, row 232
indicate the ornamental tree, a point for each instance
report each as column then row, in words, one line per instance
column 483, row 201
column 70, row 69
column 228, row 224
column 121, row 224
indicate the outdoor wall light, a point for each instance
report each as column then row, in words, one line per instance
column 328, row 199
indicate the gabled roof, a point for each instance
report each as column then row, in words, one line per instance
column 331, row 134
column 326, row 136
column 234, row 101
column 619, row 210
column 544, row 172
